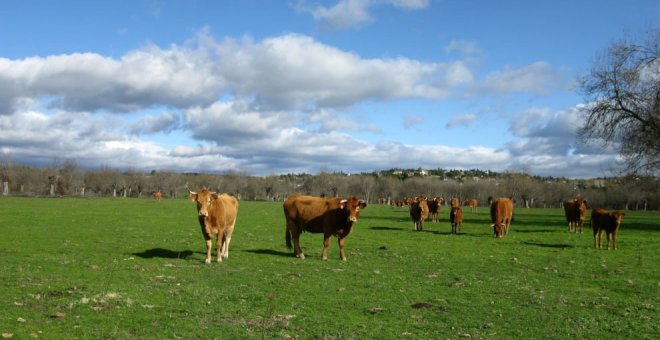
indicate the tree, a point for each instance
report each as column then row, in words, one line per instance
column 622, row 93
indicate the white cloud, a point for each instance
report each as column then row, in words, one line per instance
column 463, row 120
column 538, row 78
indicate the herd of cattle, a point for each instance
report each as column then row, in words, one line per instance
column 335, row 216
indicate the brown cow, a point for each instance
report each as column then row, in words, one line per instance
column 501, row 212
column 434, row 208
column 610, row 221
column 456, row 219
column 576, row 212
column 472, row 204
column 419, row 211
column 217, row 217
column 330, row 216
column 157, row 196
column 455, row 202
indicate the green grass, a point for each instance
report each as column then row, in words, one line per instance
column 131, row 268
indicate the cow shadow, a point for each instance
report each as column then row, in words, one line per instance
column 550, row 245
column 164, row 253
column 385, row 228
column 270, row 252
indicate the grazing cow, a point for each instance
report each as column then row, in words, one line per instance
column 434, row 208
column 157, row 196
column 455, row 202
column 456, row 219
column 330, row 216
column 473, row 205
column 610, row 221
column 576, row 213
column 419, row 211
column 217, row 217
column 501, row 212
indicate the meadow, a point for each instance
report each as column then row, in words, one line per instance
column 134, row 268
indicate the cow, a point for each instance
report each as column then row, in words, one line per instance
column 434, row 208
column 157, row 196
column 576, row 212
column 501, row 212
column 455, row 202
column 456, row 219
column 419, row 212
column 610, row 221
column 217, row 217
column 330, row 216
column 399, row 203
column 472, row 204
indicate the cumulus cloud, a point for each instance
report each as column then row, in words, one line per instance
column 537, row 78
column 463, row 120
column 165, row 123
column 354, row 13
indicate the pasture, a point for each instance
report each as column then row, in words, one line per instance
column 134, row 268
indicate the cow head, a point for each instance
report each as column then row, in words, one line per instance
column 617, row 217
column 203, row 199
column 352, row 208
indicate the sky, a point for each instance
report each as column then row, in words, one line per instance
column 268, row 87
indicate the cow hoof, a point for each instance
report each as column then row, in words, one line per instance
column 344, row 259
column 325, row 259
column 219, row 260
column 301, row 256
column 207, row 261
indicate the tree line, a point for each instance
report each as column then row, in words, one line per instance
column 66, row 179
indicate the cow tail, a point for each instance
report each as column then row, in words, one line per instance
column 288, row 238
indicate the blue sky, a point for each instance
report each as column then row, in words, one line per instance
column 269, row 87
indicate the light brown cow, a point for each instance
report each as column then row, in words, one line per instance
column 501, row 212
column 610, row 221
column 456, row 219
column 217, row 217
column 157, row 196
column 576, row 212
column 472, row 204
column 419, row 212
column 434, row 205
column 455, row 202
column 330, row 216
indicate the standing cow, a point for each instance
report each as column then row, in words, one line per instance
column 610, row 221
column 330, row 216
column 456, row 219
column 501, row 212
column 576, row 212
column 419, row 212
column 472, row 204
column 434, row 208
column 217, row 217
column 157, row 196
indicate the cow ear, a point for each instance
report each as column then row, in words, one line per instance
column 192, row 197
column 214, row 196
column 363, row 204
column 342, row 204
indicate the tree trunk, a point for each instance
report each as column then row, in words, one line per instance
column 52, row 190
column 5, row 188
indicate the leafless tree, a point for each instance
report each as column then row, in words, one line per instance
column 622, row 91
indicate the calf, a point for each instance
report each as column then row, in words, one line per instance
column 501, row 212
column 434, row 208
column 610, row 221
column 456, row 218
column 576, row 212
column 419, row 211
column 217, row 216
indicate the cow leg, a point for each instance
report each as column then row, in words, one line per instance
column 208, row 250
column 297, row 251
column 600, row 237
column 595, row 238
column 616, row 246
column 218, row 247
column 341, row 242
column 225, row 246
column 326, row 245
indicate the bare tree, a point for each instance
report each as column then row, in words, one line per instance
column 622, row 91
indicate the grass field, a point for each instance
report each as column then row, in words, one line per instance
column 133, row 268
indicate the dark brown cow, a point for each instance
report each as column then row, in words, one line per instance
column 330, row 216
column 501, row 212
column 419, row 211
column 399, row 203
column 456, row 219
column 217, row 216
column 610, row 221
column 472, row 204
column 157, row 196
column 434, row 208
column 576, row 212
